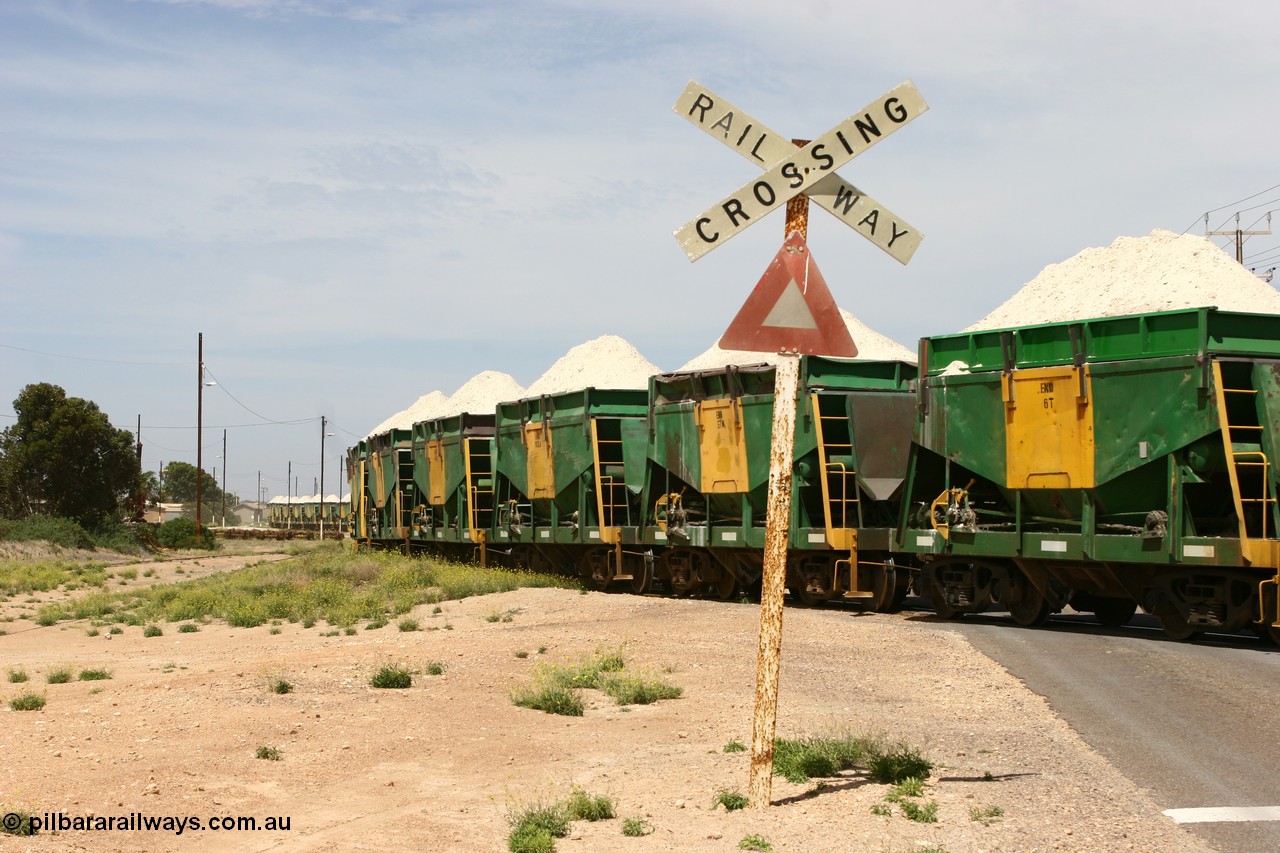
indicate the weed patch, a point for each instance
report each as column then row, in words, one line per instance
column 152, row 631
column 638, row 689
column 736, row 746
column 986, row 816
column 391, row 678
column 755, row 842
column 634, row 827
column 731, row 798
column 535, row 828
column 329, row 583
column 267, row 753
column 17, row 822
column 17, row 676
column 817, row 757
column 549, row 697
column 27, row 702
column 927, row 813
column 583, row 806
column 95, row 674
column 902, row 762
column 58, row 675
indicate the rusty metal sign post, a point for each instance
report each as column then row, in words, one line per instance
column 794, row 170
column 774, row 581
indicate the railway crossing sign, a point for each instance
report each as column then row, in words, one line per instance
column 790, row 171
column 791, row 308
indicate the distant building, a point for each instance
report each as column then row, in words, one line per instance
column 162, row 512
column 247, row 514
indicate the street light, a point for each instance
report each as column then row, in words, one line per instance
column 323, row 422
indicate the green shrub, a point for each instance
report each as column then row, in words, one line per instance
column 392, row 678
column 527, row 838
column 280, row 686
column 583, row 806
column 94, row 674
column 638, row 690
column 27, row 702
column 928, row 813
column 755, row 842
column 17, row 676
column 188, row 628
column 408, row 625
column 152, row 631
column 549, row 697
column 817, row 757
column 58, row 531
column 19, row 824
column 634, row 827
column 58, row 675
column 901, row 763
column 268, row 753
column 522, row 655
column 534, row 828
column 986, row 816
column 181, row 533
column 738, row 746
column 909, row 787
column 731, row 798
column 435, row 667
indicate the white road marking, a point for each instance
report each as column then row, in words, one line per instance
column 1224, row 814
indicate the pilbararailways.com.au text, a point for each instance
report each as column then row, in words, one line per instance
column 139, row 822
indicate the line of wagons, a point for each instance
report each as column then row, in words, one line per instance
column 1101, row 464
column 306, row 512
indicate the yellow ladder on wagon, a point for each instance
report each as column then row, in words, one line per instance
column 840, row 503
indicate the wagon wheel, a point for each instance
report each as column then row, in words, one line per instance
column 933, row 591
column 1026, row 604
column 1114, row 612
column 724, row 586
column 680, row 577
column 798, row 584
column 1175, row 625
column 884, row 587
column 901, row 586
column 641, row 575
column 596, row 569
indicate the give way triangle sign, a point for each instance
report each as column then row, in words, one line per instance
column 792, row 309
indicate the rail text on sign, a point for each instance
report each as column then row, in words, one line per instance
column 791, row 171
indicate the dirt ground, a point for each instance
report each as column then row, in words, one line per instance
column 438, row 766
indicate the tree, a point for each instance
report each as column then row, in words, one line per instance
column 180, row 487
column 64, row 458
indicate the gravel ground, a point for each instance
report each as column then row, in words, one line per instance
column 438, row 766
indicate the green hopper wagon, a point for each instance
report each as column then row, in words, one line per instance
column 1101, row 464
column 707, row 480
column 570, row 472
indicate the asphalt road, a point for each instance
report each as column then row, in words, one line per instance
column 1196, row 723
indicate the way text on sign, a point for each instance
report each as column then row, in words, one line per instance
column 790, row 171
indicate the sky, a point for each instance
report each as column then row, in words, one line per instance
column 357, row 202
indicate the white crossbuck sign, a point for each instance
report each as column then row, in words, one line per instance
column 790, row 171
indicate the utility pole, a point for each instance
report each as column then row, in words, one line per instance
column 224, row 479
column 322, row 429
column 199, row 426
column 141, row 506
column 288, row 518
column 1237, row 234
column 257, row 512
